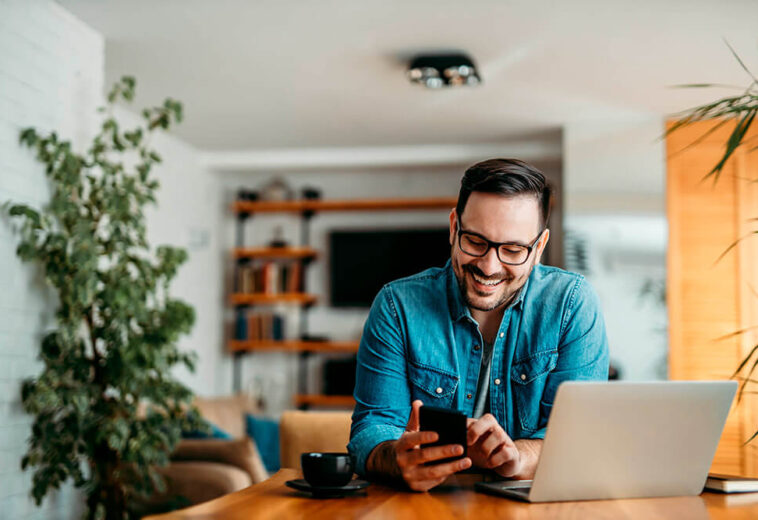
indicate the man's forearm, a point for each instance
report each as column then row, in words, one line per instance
column 382, row 461
column 529, row 451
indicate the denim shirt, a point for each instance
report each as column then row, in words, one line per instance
column 420, row 342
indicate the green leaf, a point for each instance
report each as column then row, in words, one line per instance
column 750, row 373
column 51, row 348
column 144, row 170
column 31, row 215
column 703, row 85
column 733, row 142
column 751, row 438
column 134, row 138
column 739, row 60
column 28, row 137
column 695, row 85
column 26, row 251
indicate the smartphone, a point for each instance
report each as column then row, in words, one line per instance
column 449, row 424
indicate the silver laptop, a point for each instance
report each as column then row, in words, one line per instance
column 626, row 440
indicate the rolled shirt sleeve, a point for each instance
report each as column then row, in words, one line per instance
column 382, row 395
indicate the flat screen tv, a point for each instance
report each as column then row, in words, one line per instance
column 361, row 262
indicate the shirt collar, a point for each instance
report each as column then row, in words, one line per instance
column 458, row 308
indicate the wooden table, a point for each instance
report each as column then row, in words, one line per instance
column 456, row 500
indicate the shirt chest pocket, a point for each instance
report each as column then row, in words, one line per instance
column 431, row 385
column 528, row 378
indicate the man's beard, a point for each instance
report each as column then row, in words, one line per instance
column 508, row 295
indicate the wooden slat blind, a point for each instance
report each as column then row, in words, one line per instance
column 711, row 298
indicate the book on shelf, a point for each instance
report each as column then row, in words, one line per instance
column 269, row 278
column 241, row 330
column 244, row 279
column 295, row 278
column 277, row 327
column 257, row 326
column 731, row 484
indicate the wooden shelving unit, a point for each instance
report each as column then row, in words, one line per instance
column 305, row 254
column 293, row 346
column 299, row 253
column 298, row 206
column 271, row 299
column 336, row 401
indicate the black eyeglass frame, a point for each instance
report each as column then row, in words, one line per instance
column 490, row 244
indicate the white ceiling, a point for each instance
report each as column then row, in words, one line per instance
column 309, row 74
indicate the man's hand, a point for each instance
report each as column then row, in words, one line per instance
column 406, row 458
column 490, row 447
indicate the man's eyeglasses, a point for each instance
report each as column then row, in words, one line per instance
column 508, row 253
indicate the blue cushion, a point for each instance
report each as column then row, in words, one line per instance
column 265, row 433
column 215, row 432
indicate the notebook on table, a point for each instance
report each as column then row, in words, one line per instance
column 731, row 484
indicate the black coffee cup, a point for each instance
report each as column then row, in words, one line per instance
column 327, row 469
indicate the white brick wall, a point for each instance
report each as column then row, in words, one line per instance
column 51, row 77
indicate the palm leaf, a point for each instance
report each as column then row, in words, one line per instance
column 750, row 373
column 739, row 60
column 737, row 333
column 752, row 290
column 706, row 85
column 744, row 362
column 733, row 245
column 733, row 142
column 701, row 138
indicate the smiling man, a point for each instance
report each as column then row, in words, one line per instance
column 493, row 334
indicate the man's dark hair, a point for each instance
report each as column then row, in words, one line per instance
column 509, row 177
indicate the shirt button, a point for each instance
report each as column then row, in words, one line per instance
column 497, row 381
column 439, row 390
column 523, row 377
column 468, row 396
column 477, row 347
column 502, row 334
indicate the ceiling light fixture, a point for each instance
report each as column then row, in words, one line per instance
column 443, row 70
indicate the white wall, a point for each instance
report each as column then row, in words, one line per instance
column 614, row 166
column 614, row 187
column 626, row 266
column 51, row 73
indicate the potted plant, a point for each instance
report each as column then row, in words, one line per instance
column 740, row 110
column 106, row 408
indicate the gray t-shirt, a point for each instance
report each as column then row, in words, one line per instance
column 482, row 402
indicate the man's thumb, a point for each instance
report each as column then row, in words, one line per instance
column 413, row 420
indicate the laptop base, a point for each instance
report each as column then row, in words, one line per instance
column 508, row 489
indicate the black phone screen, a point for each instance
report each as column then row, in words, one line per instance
column 450, row 425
